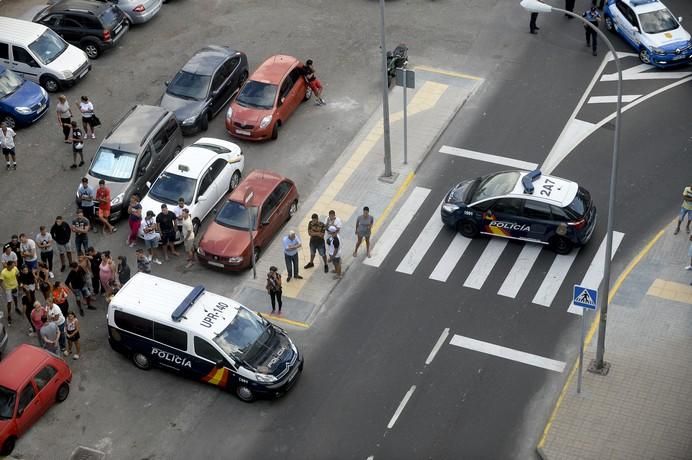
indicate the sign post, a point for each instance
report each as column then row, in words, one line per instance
column 586, row 299
column 407, row 79
column 246, row 201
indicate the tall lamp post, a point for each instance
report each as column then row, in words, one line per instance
column 598, row 365
column 385, row 100
column 246, row 202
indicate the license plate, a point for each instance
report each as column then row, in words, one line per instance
column 40, row 108
column 678, row 57
column 215, row 264
column 117, row 29
column 243, row 132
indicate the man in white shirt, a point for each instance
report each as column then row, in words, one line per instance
column 7, row 136
column 188, row 237
column 55, row 314
column 44, row 240
column 332, row 220
column 29, row 254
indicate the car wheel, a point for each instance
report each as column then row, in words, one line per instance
column 196, row 223
column 235, row 180
column 62, row 393
column 50, row 83
column 468, row 228
column 244, row 393
column 8, row 120
column 91, row 49
column 308, row 94
column 561, row 245
column 644, row 56
column 204, row 122
column 609, row 24
column 275, row 131
column 141, row 361
column 293, row 209
column 8, row 446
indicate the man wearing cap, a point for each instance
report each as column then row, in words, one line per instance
column 166, row 221
column 87, row 196
column 151, row 236
column 316, row 231
column 334, row 243
column 7, row 255
column 291, row 245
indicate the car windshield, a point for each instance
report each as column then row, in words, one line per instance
column 578, row 207
column 257, row 95
column 655, row 22
column 188, row 85
column 113, row 165
column 235, row 215
column 245, row 336
column 48, row 47
column 7, row 399
column 494, row 185
column 169, row 187
column 110, row 17
column 9, row 83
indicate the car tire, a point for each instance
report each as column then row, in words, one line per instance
column 204, row 122
column 292, row 209
column 244, row 393
column 275, row 130
column 609, row 24
column 50, row 83
column 8, row 446
column 644, row 56
column 235, row 180
column 8, row 120
column 92, row 49
column 141, row 361
column 63, row 392
column 468, row 228
column 561, row 245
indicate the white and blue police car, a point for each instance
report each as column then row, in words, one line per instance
column 651, row 29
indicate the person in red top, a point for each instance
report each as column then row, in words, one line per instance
column 103, row 196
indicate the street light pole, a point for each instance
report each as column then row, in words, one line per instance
column 598, row 365
column 246, row 201
column 385, row 99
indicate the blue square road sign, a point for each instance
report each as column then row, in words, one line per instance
column 585, row 297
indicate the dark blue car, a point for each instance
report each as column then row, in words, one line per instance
column 22, row 102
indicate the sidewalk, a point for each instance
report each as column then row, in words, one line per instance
column 353, row 182
column 643, row 408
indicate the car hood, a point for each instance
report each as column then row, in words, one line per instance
column 277, row 356
column 225, row 241
column 71, row 59
column 150, row 204
column 671, row 39
column 29, row 94
column 248, row 115
column 116, row 188
column 183, row 108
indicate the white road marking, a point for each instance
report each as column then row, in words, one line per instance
column 485, row 263
column 438, row 345
column 642, row 72
column 397, row 226
column 553, row 280
column 520, row 270
column 372, row 457
column 450, row 258
column 594, row 274
column 422, row 244
column 507, row 353
column 464, row 153
column 612, row 99
column 399, row 409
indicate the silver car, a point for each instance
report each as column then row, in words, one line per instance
column 139, row 11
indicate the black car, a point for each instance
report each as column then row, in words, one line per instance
column 92, row 26
column 204, row 86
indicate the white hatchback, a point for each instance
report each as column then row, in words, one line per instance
column 201, row 174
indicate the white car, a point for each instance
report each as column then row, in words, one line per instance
column 202, row 174
column 651, row 29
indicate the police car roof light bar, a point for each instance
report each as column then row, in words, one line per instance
column 527, row 180
column 642, row 2
column 187, row 302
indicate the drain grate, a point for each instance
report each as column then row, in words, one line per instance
column 87, row 453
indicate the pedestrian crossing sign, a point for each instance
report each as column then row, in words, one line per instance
column 585, row 297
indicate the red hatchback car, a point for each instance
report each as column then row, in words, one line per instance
column 31, row 381
column 267, row 99
column 226, row 243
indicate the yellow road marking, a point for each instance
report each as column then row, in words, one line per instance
column 402, row 188
column 449, row 73
column 592, row 330
column 671, row 290
column 283, row 320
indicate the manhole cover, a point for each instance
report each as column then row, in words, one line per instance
column 87, row 453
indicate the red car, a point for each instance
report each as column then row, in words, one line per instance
column 31, row 381
column 267, row 99
column 226, row 243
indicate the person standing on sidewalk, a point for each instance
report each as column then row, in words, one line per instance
column 364, row 224
column 50, row 336
column 291, row 245
column 274, row 287
column 62, row 109
column 45, row 246
column 166, row 221
column 29, row 252
column 316, row 231
column 143, row 262
column 80, row 228
column 7, row 136
column 594, row 17
column 151, row 236
column 87, row 109
column 10, row 283
column 77, row 141
column 685, row 209
column 87, row 195
column 332, row 220
column 55, row 315
column 72, row 333
column 334, row 242
column 61, row 233
column 103, row 198
column 188, row 237
column 135, row 219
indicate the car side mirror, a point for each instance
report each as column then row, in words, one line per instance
column 679, row 18
column 148, row 184
column 141, row 171
column 265, row 221
column 167, row 82
column 215, row 93
column 282, row 100
column 20, row 411
column 201, row 198
column 219, row 364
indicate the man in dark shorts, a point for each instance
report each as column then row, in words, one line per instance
column 314, row 82
column 316, row 231
column 167, row 225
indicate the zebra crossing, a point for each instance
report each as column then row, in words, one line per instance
column 485, row 264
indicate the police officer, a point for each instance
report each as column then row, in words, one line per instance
column 593, row 16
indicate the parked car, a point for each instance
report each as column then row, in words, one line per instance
column 204, row 85
column 4, row 337
column 22, row 102
column 267, row 99
column 138, row 11
column 31, row 381
column 136, row 150
column 651, row 29
column 226, row 243
column 92, row 26
column 201, row 174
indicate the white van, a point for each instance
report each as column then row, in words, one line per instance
column 39, row 54
column 203, row 336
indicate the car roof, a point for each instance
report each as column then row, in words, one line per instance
column 134, row 127
column 21, row 363
column 155, row 298
column 644, row 6
column 207, row 59
column 196, row 158
column 18, row 31
column 274, row 69
column 562, row 191
column 260, row 182
column 87, row 5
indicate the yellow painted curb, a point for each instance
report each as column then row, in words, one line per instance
column 283, row 320
column 449, row 73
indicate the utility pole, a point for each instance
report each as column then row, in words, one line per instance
column 385, row 99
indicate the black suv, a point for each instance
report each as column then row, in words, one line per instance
column 93, row 26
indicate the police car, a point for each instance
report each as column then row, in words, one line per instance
column 522, row 205
column 651, row 29
column 203, row 336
